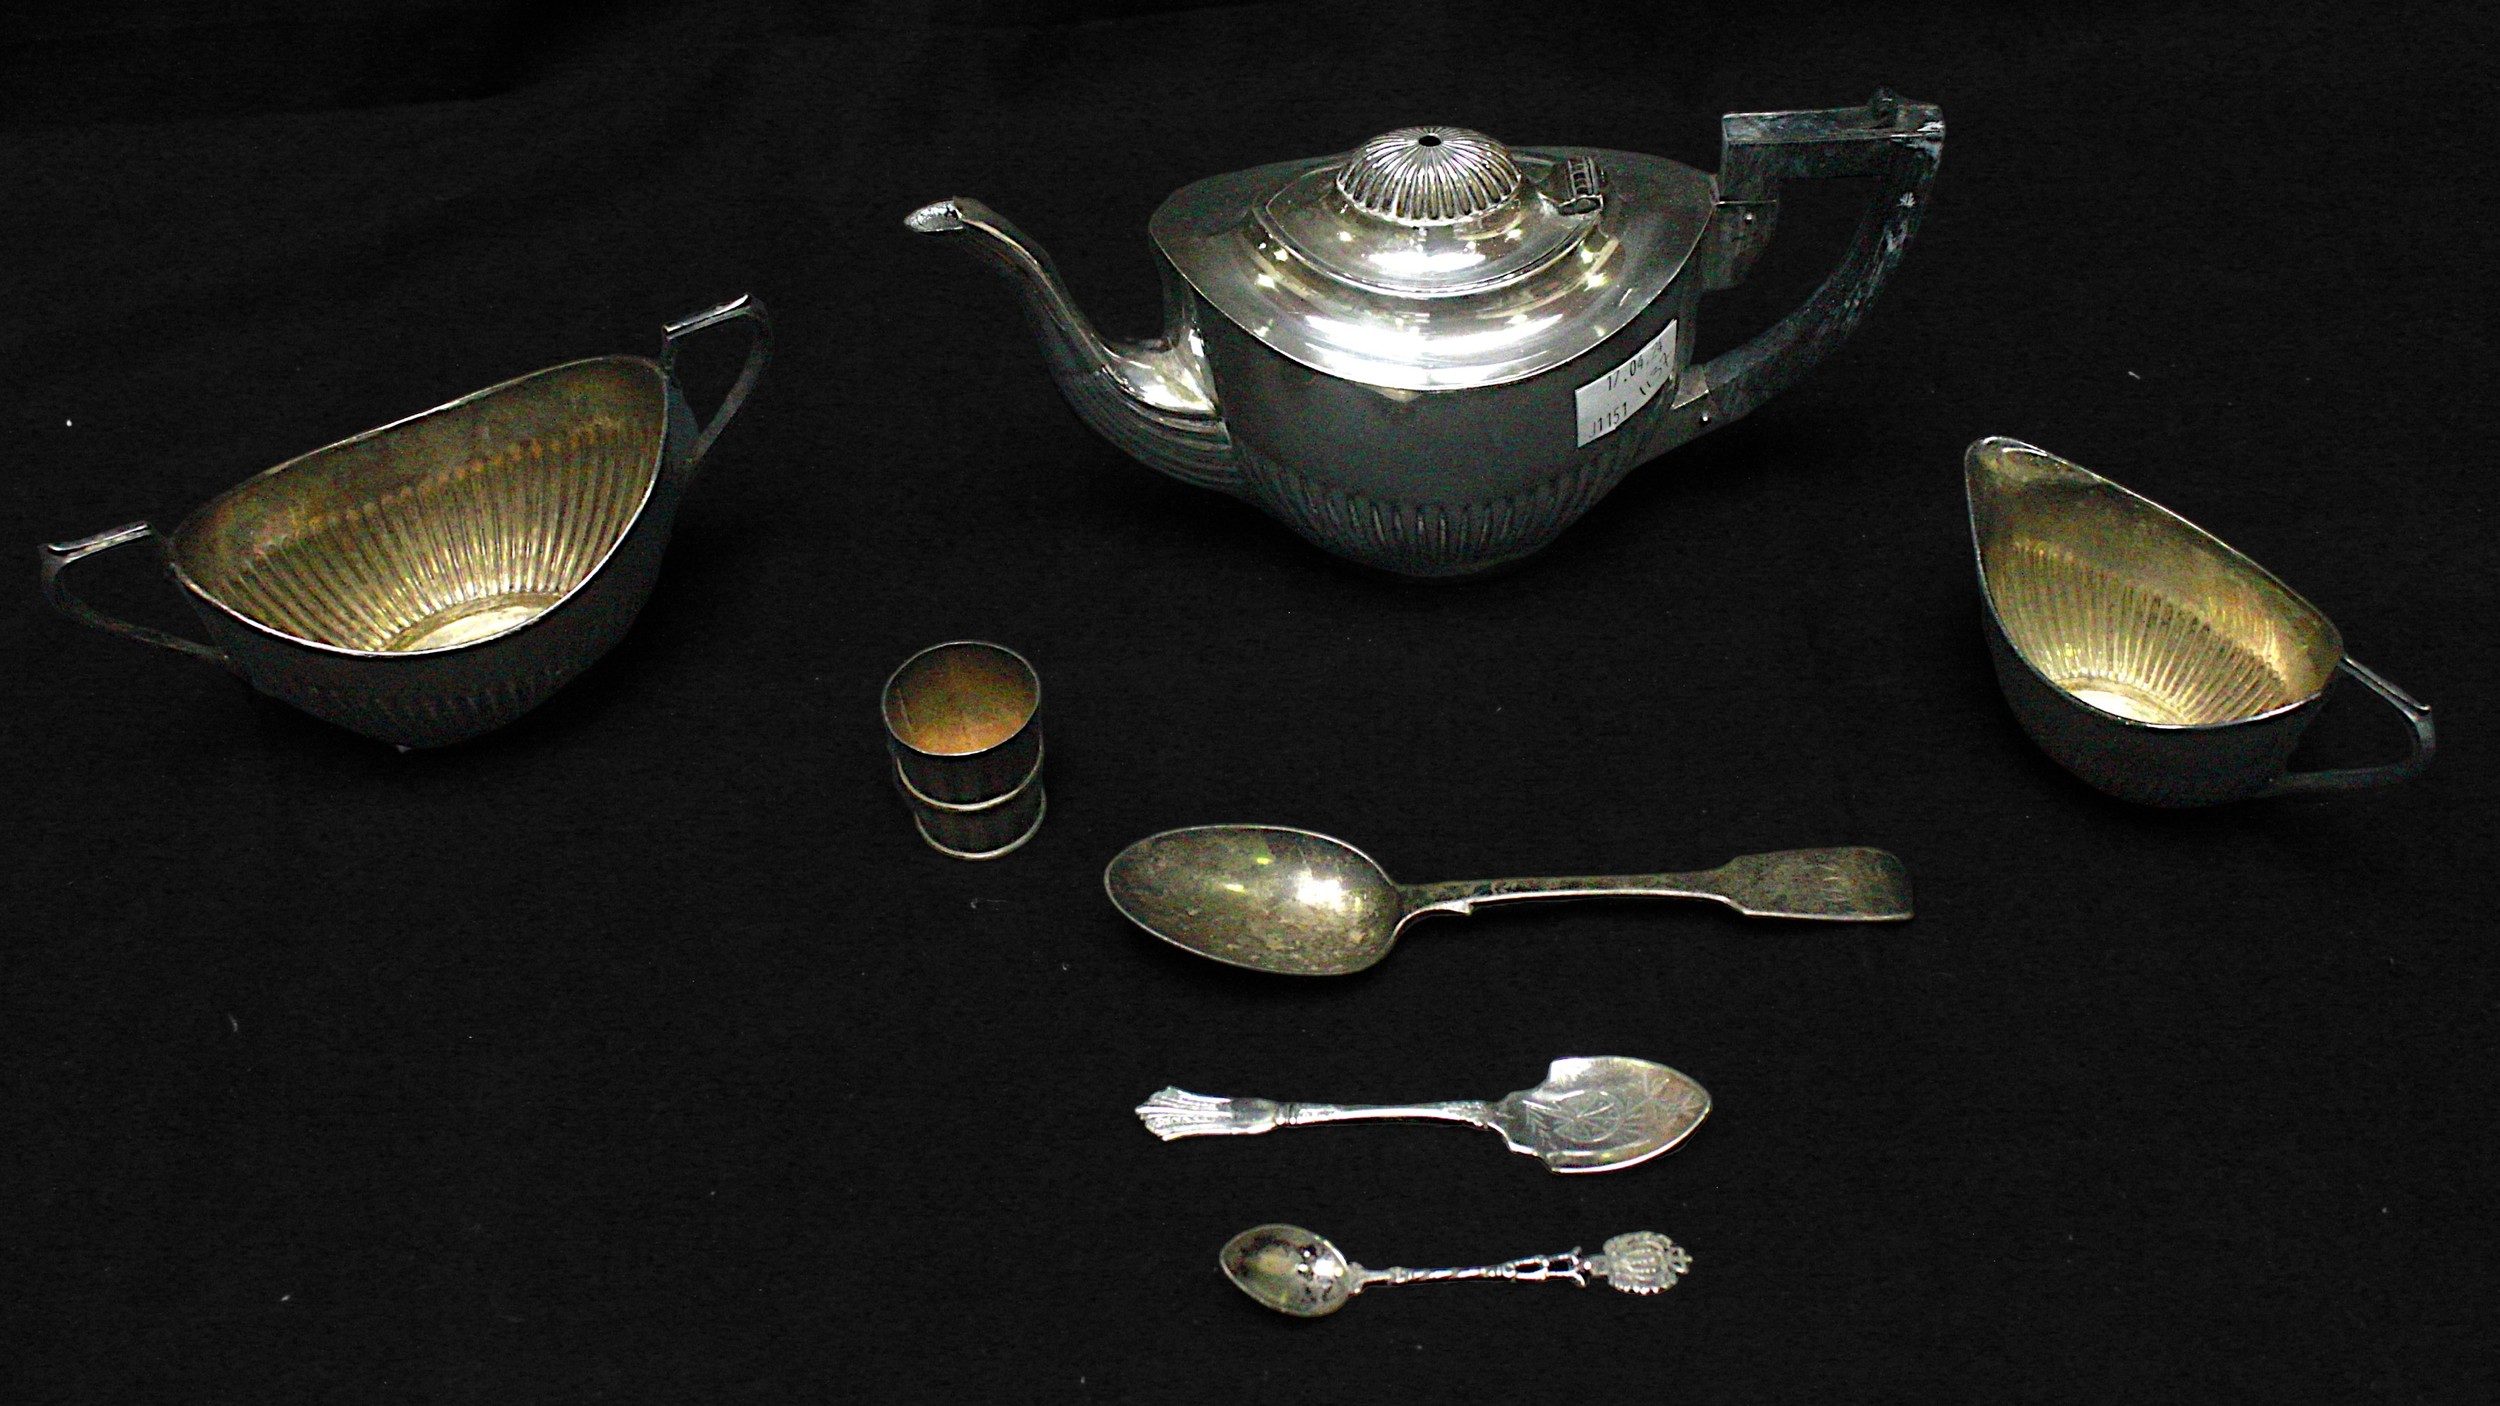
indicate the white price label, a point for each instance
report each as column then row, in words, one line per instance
column 1617, row 396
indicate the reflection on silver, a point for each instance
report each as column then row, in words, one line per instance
column 1590, row 1115
column 433, row 579
column 2141, row 652
column 1425, row 176
column 1276, row 899
column 1395, row 349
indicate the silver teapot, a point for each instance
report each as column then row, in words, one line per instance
column 1433, row 353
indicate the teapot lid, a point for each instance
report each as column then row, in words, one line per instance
column 1424, row 212
column 1435, row 258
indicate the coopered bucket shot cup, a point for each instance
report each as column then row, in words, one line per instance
column 963, row 726
column 2143, row 654
column 436, row 578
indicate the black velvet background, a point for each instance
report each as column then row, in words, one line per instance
column 640, row 1052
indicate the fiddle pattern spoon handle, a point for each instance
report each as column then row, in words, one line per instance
column 1642, row 1262
column 1177, row 1113
column 1839, row 884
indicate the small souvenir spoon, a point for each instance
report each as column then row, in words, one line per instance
column 1590, row 1114
column 1276, row 899
column 1291, row 1270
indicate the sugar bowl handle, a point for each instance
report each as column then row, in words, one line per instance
column 1895, row 141
column 58, row 555
column 2425, row 741
column 759, row 352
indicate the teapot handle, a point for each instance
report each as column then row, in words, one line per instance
column 1893, row 140
column 2425, row 741
column 759, row 352
column 58, row 555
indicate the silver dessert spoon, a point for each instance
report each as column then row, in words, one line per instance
column 1292, row 1270
column 1590, row 1115
column 1277, row 899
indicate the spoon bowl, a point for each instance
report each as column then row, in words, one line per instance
column 1290, row 1270
column 1277, row 899
column 1260, row 896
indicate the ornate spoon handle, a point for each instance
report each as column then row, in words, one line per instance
column 1642, row 1262
column 1177, row 1113
column 1570, row 1264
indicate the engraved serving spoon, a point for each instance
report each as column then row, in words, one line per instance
column 1277, row 899
column 1291, row 1270
column 1590, row 1115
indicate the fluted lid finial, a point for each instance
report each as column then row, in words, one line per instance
column 1429, row 175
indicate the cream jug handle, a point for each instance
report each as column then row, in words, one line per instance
column 759, row 352
column 2425, row 741
column 57, row 555
column 1896, row 142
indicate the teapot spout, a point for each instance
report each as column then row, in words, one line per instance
column 1152, row 398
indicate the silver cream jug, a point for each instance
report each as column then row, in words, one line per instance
column 1433, row 353
column 433, row 579
column 2145, row 654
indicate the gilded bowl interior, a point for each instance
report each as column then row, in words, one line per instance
column 450, row 527
column 2131, row 609
column 958, row 699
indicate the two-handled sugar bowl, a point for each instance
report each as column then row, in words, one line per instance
column 2142, row 653
column 433, row 579
column 1433, row 353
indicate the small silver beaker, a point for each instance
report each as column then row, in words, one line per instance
column 2142, row 653
column 963, row 723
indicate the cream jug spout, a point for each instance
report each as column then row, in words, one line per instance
column 1152, row 397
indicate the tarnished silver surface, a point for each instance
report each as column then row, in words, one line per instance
column 963, row 724
column 2141, row 652
column 1276, row 899
column 433, row 579
column 1295, row 1271
column 990, row 829
column 1433, row 353
column 1593, row 1114
column 963, row 721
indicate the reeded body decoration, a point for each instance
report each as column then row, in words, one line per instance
column 434, row 579
column 2142, row 653
column 1433, row 353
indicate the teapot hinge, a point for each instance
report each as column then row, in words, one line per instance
column 1583, row 187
